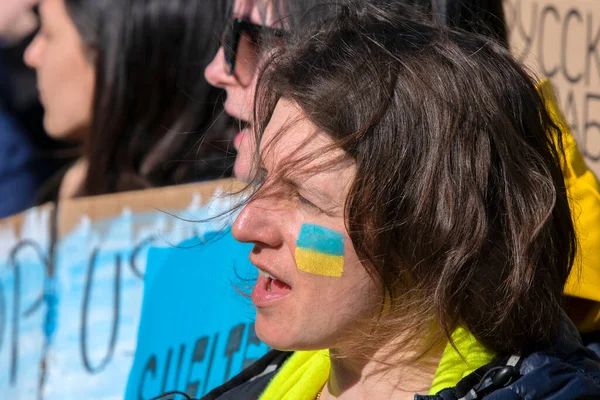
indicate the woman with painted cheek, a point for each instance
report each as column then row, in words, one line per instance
column 374, row 281
column 255, row 27
column 309, row 272
column 234, row 69
column 121, row 78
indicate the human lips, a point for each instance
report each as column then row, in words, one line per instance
column 269, row 289
column 239, row 138
column 244, row 127
column 40, row 95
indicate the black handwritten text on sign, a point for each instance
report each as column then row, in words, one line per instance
column 560, row 40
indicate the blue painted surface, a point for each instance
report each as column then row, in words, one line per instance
column 321, row 239
column 25, row 315
column 19, row 166
column 196, row 329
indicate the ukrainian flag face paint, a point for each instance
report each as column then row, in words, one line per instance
column 320, row 251
column 313, row 289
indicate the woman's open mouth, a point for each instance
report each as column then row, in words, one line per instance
column 268, row 289
column 244, row 129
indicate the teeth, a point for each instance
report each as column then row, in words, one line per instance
column 265, row 274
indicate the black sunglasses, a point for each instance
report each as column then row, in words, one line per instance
column 232, row 36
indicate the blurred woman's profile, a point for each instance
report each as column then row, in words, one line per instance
column 124, row 78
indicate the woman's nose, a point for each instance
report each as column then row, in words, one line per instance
column 215, row 71
column 32, row 53
column 257, row 224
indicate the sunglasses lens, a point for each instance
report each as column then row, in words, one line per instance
column 247, row 59
column 242, row 43
column 228, row 42
column 228, row 61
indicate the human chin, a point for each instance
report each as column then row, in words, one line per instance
column 242, row 168
column 64, row 129
column 269, row 330
column 282, row 331
column 53, row 126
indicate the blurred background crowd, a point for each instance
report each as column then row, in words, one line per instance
column 98, row 97
column 29, row 156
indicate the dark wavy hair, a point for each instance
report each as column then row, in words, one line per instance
column 156, row 121
column 458, row 206
column 294, row 15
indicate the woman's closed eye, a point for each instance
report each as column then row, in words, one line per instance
column 304, row 201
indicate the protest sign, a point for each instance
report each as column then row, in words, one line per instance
column 25, row 263
column 92, row 265
column 560, row 40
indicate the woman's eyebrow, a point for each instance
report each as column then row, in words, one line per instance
column 293, row 182
column 310, row 188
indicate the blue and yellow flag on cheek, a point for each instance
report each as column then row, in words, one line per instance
column 320, row 251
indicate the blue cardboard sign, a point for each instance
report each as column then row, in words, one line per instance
column 128, row 305
column 196, row 329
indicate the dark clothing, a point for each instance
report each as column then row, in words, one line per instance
column 251, row 382
column 563, row 371
column 18, row 180
column 27, row 155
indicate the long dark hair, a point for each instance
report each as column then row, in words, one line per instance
column 458, row 207
column 294, row 15
column 155, row 119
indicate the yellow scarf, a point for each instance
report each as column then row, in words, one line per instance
column 453, row 367
column 300, row 378
column 305, row 372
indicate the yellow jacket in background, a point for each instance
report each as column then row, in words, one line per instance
column 584, row 198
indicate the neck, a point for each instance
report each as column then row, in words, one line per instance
column 353, row 378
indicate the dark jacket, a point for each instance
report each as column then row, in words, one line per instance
column 27, row 155
column 563, row 371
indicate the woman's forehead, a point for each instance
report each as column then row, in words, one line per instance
column 290, row 135
column 305, row 156
column 286, row 131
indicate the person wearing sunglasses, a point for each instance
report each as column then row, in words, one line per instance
column 255, row 27
column 243, row 39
